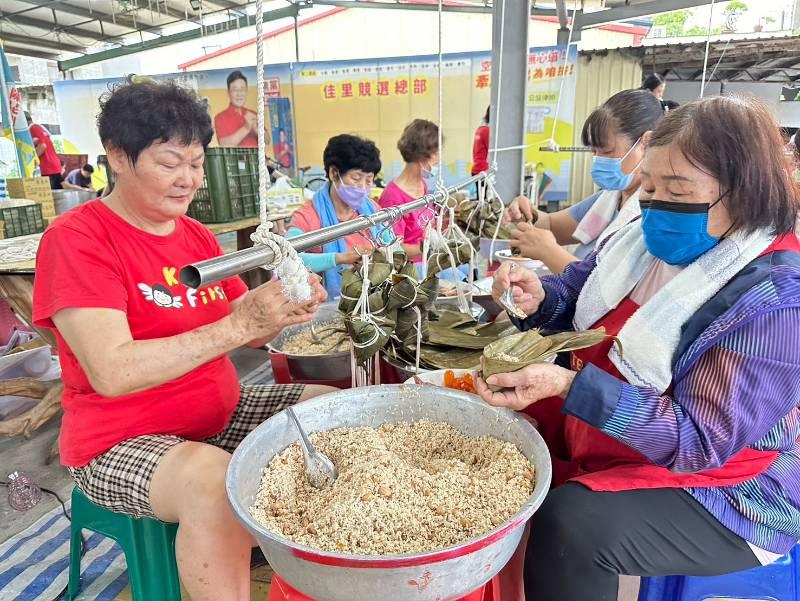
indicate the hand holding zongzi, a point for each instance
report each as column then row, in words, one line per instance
column 526, row 386
column 520, row 209
column 527, row 291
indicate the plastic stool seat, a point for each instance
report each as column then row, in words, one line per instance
column 778, row 581
column 148, row 545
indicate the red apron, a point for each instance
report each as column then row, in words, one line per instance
column 582, row 453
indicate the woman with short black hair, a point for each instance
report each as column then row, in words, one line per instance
column 351, row 164
column 152, row 403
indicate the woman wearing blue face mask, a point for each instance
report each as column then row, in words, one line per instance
column 676, row 451
column 614, row 131
column 419, row 147
column 351, row 164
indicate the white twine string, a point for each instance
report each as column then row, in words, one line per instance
column 17, row 252
column 552, row 140
column 287, row 264
column 499, row 85
column 708, row 46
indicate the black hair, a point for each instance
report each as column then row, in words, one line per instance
column 670, row 105
column 233, row 76
column 651, row 82
column 630, row 112
column 28, row 117
column 346, row 152
column 134, row 116
column 487, row 115
column 88, row 168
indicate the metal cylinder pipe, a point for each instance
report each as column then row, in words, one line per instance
column 217, row 269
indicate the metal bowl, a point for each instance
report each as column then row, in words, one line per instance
column 402, row 370
column 64, row 200
column 327, row 368
column 442, row 575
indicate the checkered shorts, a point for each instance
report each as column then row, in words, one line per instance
column 119, row 479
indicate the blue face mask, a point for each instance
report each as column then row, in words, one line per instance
column 607, row 172
column 676, row 232
column 430, row 172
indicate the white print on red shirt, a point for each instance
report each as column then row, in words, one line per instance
column 161, row 295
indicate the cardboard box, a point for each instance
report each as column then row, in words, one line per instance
column 36, row 189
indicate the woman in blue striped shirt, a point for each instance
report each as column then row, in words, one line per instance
column 678, row 454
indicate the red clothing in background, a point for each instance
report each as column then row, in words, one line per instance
column 231, row 120
column 49, row 163
column 480, row 150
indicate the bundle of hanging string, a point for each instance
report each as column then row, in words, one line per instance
column 287, row 264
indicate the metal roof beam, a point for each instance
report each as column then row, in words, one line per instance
column 176, row 38
column 461, row 8
column 12, row 49
column 634, row 11
column 47, row 25
column 91, row 15
column 42, row 43
column 405, row 6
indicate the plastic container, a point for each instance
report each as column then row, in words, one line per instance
column 21, row 218
column 230, row 186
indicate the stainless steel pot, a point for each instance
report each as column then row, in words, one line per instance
column 65, row 200
column 325, row 368
column 448, row 573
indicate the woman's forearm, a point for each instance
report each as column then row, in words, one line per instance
column 129, row 366
column 413, row 251
column 556, row 258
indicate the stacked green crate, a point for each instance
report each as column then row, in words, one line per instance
column 21, row 218
column 230, row 186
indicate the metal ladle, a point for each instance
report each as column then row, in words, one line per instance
column 320, row 470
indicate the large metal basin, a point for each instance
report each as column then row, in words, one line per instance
column 442, row 575
column 64, row 200
column 325, row 368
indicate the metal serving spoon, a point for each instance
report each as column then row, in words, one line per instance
column 320, row 470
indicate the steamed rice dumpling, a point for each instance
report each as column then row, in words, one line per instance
column 406, row 293
column 440, row 260
column 369, row 336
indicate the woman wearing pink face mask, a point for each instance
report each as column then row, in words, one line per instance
column 419, row 147
column 351, row 164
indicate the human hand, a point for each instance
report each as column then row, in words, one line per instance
column 265, row 311
column 251, row 120
column 352, row 256
column 526, row 386
column 520, row 209
column 526, row 288
column 533, row 242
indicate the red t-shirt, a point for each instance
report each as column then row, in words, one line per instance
column 480, row 150
column 230, row 121
column 49, row 163
column 91, row 257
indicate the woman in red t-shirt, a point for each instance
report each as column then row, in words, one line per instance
column 152, row 404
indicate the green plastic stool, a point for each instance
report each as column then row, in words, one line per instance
column 149, row 547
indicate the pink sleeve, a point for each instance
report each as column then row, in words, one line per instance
column 392, row 196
